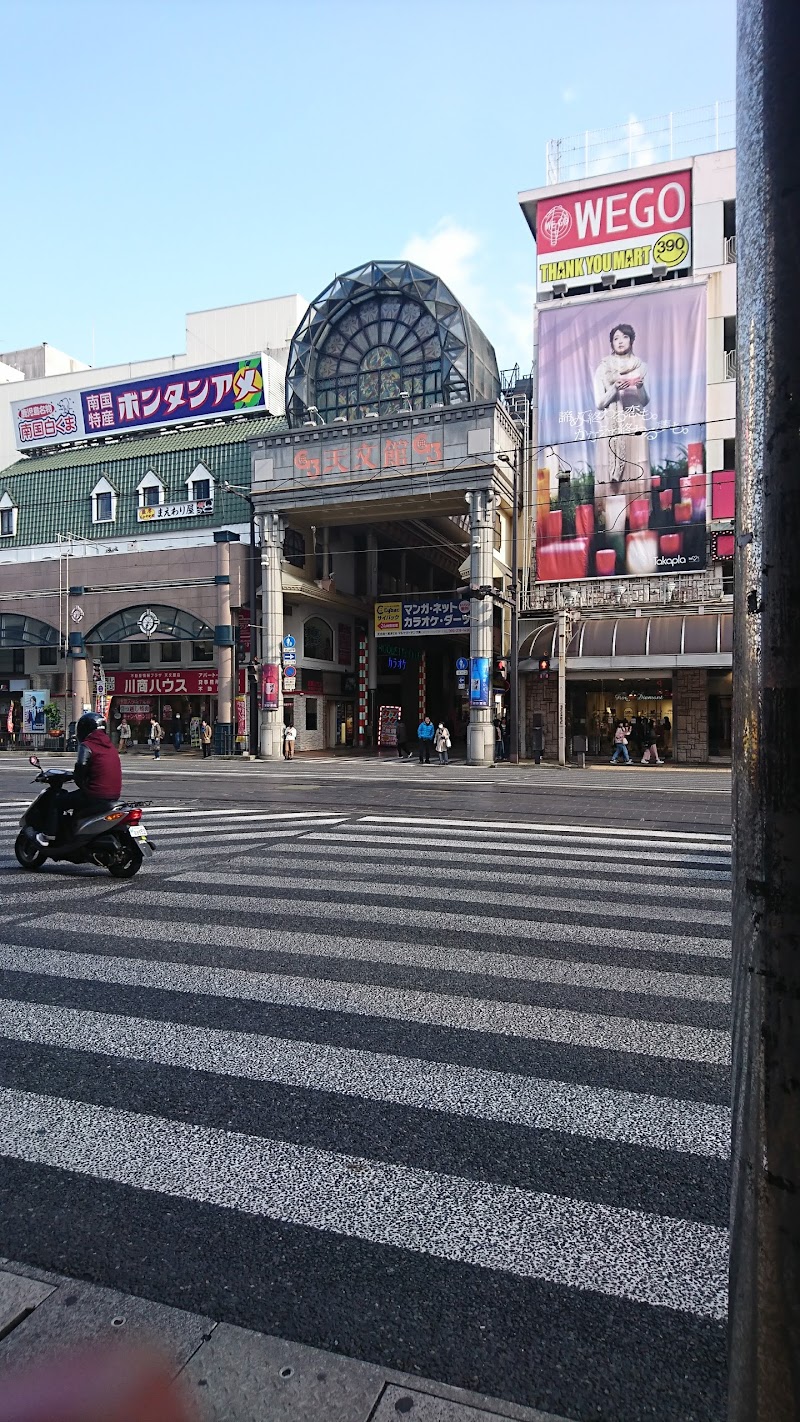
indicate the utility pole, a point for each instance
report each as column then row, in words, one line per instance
column 562, row 687
column 765, row 1209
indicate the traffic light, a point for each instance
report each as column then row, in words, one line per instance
column 473, row 593
column 501, row 667
column 544, row 668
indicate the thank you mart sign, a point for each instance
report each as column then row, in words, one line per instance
column 227, row 388
column 625, row 228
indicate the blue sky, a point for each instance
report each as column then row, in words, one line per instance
column 164, row 156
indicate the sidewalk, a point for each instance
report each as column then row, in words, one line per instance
column 227, row 1374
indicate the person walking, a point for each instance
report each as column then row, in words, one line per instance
column 425, row 734
column 402, row 740
column 289, row 738
column 650, row 753
column 155, row 737
column 499, row 743
column 177, row 731
column 442, row 743
column 205, row 738
column 620, row 746
column 125, row 735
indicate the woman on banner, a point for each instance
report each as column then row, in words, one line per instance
column 622, row 453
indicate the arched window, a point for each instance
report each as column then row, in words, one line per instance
column 294, row 548
column 318, row 640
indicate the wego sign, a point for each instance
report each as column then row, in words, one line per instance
column 625, row 227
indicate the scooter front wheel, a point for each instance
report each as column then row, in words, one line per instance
column 30, row 855
column 129, row 862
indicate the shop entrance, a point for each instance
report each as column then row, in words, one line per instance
column 720, row 715
column 595, row 707
column 341, row 723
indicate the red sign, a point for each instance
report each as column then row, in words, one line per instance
column 723, row 493
column 270, row 688
column 626, row 227
column 180, row 682
column 387, row 452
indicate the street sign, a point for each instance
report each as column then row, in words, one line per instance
column 462, row 664
column 289, row 673
column 289, row 657
column 289, row 640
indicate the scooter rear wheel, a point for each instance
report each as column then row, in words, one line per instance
column 30, row 855
column 130, row 863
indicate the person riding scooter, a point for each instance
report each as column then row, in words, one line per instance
column 97, row 774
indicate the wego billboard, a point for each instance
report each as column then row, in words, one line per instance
column 621, row 487
column 627, row 228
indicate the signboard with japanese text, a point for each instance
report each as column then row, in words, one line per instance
column 193, row 508
column 620, row 481
column 625, row 227
column 225, row 388
column 421, row 617
column 188, row 682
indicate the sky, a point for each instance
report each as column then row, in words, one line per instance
column 165, row 156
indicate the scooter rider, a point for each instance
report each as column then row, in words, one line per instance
column 97, row 774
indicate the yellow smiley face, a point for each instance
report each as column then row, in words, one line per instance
column 670, row 249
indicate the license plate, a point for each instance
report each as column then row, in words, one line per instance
column 137, row 832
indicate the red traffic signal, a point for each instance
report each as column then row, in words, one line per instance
column 502, row 668
column 544, row 668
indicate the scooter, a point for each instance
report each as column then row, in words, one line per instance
column 115, row 839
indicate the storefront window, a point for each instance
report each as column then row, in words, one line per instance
column 311, row 714
column 139, row 654
column 202, row 651
column 595, row 708
column 170, row 651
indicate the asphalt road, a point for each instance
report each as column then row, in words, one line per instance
column 423, row 1065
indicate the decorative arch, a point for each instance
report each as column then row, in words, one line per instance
column 384, row 338
column 318, row 639
column 19, row 631
column 172, row 623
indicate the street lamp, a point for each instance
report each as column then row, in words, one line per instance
column 252, row 686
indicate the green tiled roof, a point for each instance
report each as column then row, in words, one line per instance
column 52, row 492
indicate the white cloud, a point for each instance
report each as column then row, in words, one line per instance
column 450, row 252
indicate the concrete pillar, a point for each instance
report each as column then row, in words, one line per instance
column 272, row 531
column 764, row 1294
column 562, row 688
column 372, row 642
column 77, row 678
column 480, row 732
column 224, row 643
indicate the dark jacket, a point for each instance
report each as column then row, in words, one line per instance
column 402, row 734
column 98, row 769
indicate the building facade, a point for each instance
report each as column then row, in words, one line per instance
column 627, row 615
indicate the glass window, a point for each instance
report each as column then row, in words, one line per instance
column 170, row 651
column 201, row 489
column 139, row 654
column 104, row 508
column 202, row 651
column 294, row 548
column 48, row 656
column 109, row 654
column 151, row 496
column 7, row 523
column 318, row 640
column 311, row 713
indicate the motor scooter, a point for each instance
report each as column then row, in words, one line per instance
column 115, row 839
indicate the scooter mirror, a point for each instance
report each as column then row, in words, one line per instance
column 34, row 760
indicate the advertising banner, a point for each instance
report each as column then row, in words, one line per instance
column 415, row 617
column 479, row 682
column 34, row 722
column 225, row 388
column 621, row 483
column 270, row 689
column 626, row 227
column 163, row 683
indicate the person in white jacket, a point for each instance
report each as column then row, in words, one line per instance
column 442, row 742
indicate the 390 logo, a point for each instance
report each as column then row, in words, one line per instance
column 670, row 249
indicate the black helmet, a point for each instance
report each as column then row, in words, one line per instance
column 89, row 721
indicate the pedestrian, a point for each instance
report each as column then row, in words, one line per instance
column 620, row 745
column 125, row 735
column 177, row 731
column 289, row 738
column 499, row 743
column 441, row 742
column 205, row 738
column 402, row 740
column 425, row 734
column 650, row 754
column 154, row 738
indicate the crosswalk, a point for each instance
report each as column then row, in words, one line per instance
column 448, row 1095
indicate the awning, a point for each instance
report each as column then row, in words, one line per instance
column 614, row 644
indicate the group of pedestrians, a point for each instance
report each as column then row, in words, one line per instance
column 429, row 737
column 647, row 740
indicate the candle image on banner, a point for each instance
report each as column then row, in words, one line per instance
column 621, row 483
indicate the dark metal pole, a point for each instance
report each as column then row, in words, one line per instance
column 513, row 696
column 765, row 1209
column 252, row 682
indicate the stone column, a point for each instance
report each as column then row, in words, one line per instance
column 690, row 715
column 480, row 732
column 78, row 674
column 224, row 643
column 272, row 531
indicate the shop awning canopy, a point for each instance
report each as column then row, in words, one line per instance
column 659, row 644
